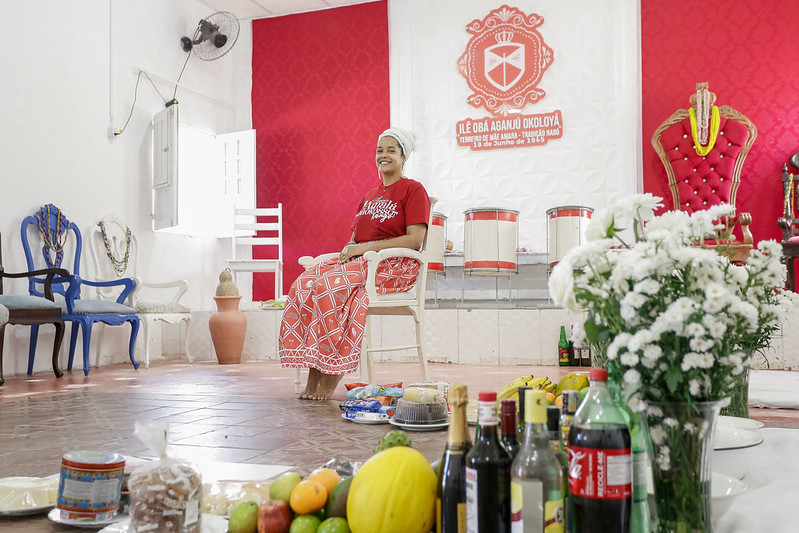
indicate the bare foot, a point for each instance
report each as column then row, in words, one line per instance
column 327, row 385
column 311, row 385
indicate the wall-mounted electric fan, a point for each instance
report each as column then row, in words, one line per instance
column 214, row 37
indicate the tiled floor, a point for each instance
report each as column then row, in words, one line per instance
column 237, row 413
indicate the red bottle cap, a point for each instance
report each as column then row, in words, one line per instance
column 598, row 374
column 487, row 396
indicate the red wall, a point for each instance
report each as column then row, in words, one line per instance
column 320, row 98
column 748, row 52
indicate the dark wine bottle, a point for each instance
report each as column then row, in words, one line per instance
column 488, row 474
column 451, row 489
column 563, row 348
column 507, row 419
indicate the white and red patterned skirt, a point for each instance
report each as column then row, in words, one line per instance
column 325, row 314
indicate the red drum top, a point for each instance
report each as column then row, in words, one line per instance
column 570, row 211
column 491, row 213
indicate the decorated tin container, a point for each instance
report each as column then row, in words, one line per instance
column 90, row 485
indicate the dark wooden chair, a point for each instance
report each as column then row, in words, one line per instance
column 789, row 221
column 33, row 311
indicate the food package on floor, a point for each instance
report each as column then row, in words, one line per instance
column 165, row 494
column 369, row 406
column 372, row 391
column 222, row 497
column 422, row 395
column 20, row 493
column 441, row 386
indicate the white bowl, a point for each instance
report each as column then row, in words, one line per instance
column 723, row 491
column 739, row 422
column 729, row 449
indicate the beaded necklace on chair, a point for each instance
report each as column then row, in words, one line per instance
column 701, row 114
column 53, row 239
column 120, row 265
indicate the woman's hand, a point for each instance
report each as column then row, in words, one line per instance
column 352, row 250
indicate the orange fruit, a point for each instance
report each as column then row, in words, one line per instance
column 328, row 477
column 559, row 401
column 308, row 497
column 550, row 398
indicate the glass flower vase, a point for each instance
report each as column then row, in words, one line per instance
column 739, row 396
column 681, row 449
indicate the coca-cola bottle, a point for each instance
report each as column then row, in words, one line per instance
column 600, row 463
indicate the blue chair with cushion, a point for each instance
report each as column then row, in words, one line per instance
column 32, row 311
column 54, row 231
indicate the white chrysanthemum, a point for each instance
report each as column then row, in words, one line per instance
column 670, row 422
column 632, row 376
column 701, row 345
column 690, row 427
column 601, row 225
column 694, row 387
column 664, row 459
column 636, row 404
column 657, row 434
column 561, row 286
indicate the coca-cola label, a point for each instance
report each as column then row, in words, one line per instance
column 603, row 474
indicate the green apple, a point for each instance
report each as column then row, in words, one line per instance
column 244, row 518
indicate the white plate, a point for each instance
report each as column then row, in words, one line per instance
column 738, row 422
column 418, row 427
column 361, row 420
column 211, row 524
column 731, row 438
column 24, row 511
column 55, row 516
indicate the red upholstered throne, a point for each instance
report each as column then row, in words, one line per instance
column 699, row 181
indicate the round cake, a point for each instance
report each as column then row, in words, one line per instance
column 408, row 412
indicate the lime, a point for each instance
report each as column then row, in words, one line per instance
column 334, row 525
column 305, row 523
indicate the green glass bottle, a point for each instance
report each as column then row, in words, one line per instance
column 563, row 348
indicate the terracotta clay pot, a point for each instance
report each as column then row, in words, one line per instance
column 228, row 328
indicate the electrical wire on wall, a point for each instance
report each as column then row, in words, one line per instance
column 135, row 97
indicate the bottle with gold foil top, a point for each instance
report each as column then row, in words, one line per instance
column 536, row 474
column 451, row 488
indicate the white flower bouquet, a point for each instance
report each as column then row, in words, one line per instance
column 671, row 319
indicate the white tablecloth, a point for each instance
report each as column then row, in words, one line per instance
column 774, row 388
column 771, row 502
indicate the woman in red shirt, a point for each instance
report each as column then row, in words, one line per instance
column 323, row 322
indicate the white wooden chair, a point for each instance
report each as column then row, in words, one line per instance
column 399, row 303
column 245, row 234
column 115, row 251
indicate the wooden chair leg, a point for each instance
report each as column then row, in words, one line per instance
column 59, row 337
column 134, row 330
column 367, row 362
column 86, row 337
column 32, row 347
column 73, row 340
column 420, row 348
column 297, row 381
column 147, row 332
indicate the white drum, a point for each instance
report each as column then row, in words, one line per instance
column 566, row 229
column 491, row 236
column 436, row 244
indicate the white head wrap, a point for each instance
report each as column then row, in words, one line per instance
column 405, row 138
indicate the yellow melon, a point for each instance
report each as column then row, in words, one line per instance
column 393, row 492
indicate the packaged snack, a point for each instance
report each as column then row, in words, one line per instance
column 165, row 494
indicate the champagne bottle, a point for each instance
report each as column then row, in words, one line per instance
column 563, row 348
column 488, row 474
column 451, row 488
column 536, row 474
column 507, row 416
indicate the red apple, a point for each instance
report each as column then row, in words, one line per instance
column 274, row 516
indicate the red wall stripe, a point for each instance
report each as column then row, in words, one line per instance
column 320, row 98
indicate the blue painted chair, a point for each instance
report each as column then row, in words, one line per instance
column 54, row 229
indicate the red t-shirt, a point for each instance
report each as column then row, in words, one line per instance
column 386, row 213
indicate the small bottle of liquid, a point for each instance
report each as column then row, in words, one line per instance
column 488, row 474
column 563, row 348
column 520, row 432
column 566, row 417
column 536, row 474
column 451, row 488
column 507, row 419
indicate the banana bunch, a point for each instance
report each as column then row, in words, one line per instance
column 511, row 390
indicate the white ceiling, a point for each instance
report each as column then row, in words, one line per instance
column 250, row 9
